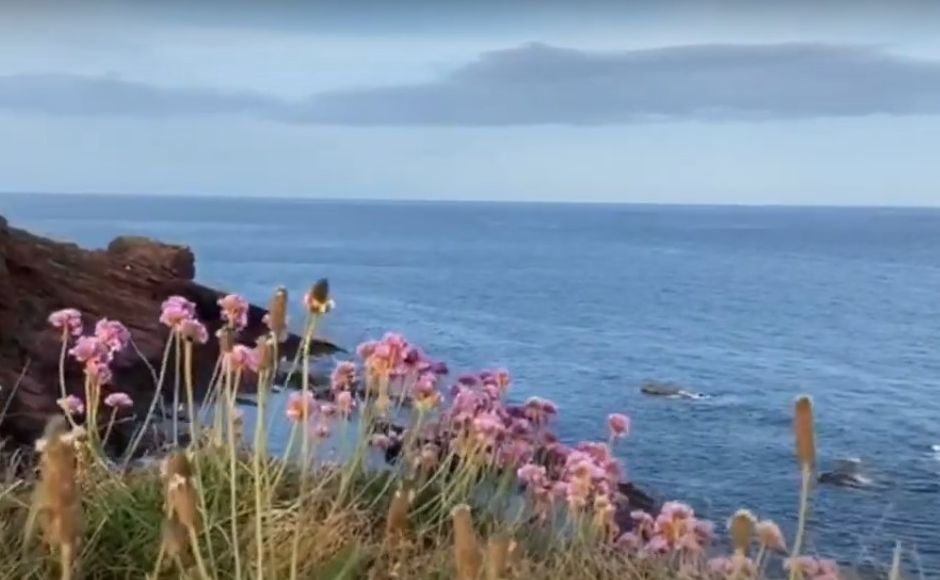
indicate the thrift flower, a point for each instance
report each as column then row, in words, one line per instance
column 343, row 377
column 175, row 310
column 539, row 411
column 619, row 425
column 345, row 403
column 68, row 320
column 88, row 348
column 380, row 441
column 119, row 401
column 502, row 380
column 99, row 371
column 322, row 431
column 813, row 568
column 112, row 334
column 428, row 458
column 242, row 358
column 194, row 331
column 532, row 475
column 300, row 406
column 72, row 405
column 234, row 311
column 770, row 536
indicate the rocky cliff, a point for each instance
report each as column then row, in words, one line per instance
column 127, row 282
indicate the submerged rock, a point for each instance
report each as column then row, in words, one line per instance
column 127, row 282
column 669, row 391
column 846, row 473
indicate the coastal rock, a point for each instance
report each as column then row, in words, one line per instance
column 846, row 473
column 669, row 391
column 127, row 282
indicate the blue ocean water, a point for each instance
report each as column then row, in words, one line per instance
column 583, row 303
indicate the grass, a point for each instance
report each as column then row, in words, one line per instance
column 451, row 506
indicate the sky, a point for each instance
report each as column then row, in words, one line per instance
column 676, row 101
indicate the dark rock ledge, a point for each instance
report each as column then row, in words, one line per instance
column 128, row 281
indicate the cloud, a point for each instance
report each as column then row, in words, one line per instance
column 539, row 84
column 62, row 94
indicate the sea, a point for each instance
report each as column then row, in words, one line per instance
column 750, row 306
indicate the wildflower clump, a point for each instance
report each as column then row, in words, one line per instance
column 388, row 468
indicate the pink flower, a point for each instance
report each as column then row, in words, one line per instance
column 98, row 371
column 619, row 425
column 514, row 452
column 112, row 334
column 242, row 358
column 539, row 411
column 770, row 535
column 68, row 320
column 629, row 542
column 813, row 568
column 735, row 566
column 345, row 403
column 72, row 405
column 380, row 441
column 175, row 310
column 119, row 401
column 299, row 406
column 487, row 428
column 89, row 348
column 328, row 409
column 343, row 377
column 322, row 430
column 234, row 310
column 502, row 379
column 365, row 349
column 532, row 475
column 193, row 330
column 429, row 456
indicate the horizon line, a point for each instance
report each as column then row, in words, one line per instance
column 468, row 201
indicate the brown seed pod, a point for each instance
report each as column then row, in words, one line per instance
column 805, row 432
column 466, row 546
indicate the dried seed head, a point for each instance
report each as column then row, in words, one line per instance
column 498, row 550
column 181, row 500
column 265, row 347
column 277, row 315
column 56, row 499
column 226, row 340
column 318, row 299
column 175, row 538
column 466, row 546
column 805, row 432
column 742, row 527
column 397, row 522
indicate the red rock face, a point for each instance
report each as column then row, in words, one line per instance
column 127, row 282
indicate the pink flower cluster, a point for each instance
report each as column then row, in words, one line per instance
column 300, row 405
column 244, row 358
column 674, row 530
column 112, row 334
column 736, row 566
column 234, row 311
column 394, row 357
column 175, row 310
column 97, row 351
column 119, row 401
column 71, row 405
column 68, row 320
column 343, row 377
column 813, row 568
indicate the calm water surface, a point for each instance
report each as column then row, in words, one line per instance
column 584, row 303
